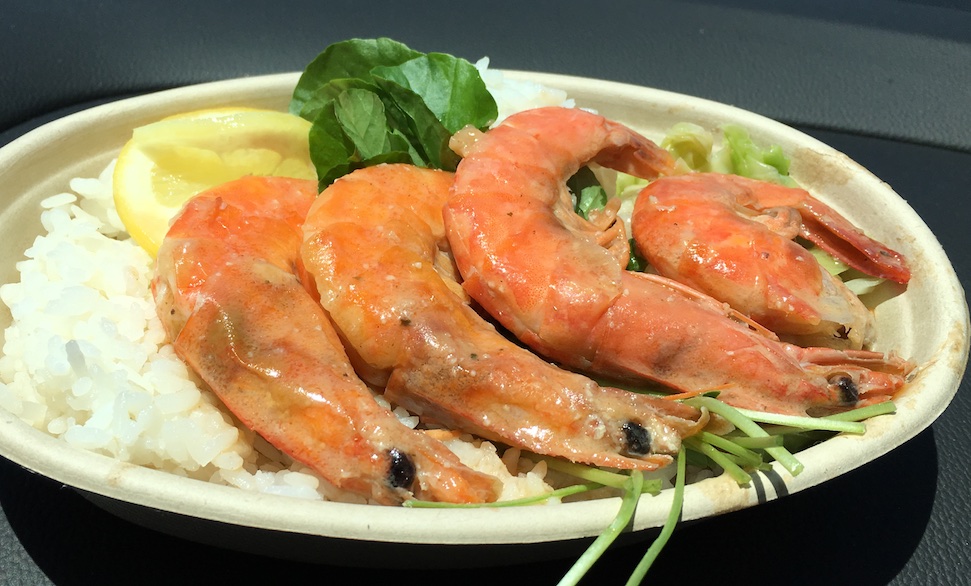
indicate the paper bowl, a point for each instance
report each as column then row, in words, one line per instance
column 927, row 323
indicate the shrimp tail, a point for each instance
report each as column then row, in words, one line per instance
column 828, row 229
column 833, row 233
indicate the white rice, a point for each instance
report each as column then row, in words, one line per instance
column 516, row 95
column 85, row 357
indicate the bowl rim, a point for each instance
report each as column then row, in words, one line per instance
column 102, row 475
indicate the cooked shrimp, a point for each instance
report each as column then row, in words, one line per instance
column 732, row 238
column 375, row 243
column 231, row 294
column 543, row 272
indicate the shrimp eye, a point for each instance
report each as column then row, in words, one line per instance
column 849, row 393
column 637, row 438
column 401, row 473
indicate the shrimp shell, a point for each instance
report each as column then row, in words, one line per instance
column 375, row 242
column 543, row 273
column 236, row 302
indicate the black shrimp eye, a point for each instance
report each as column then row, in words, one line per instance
column 637, row 438
column 849, row 393
column 401, row 473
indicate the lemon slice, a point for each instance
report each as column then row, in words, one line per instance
column 167, row 162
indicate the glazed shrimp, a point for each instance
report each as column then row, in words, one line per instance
column 732, row 238
column 375, row 243
column 544, row 274
column 230, row 291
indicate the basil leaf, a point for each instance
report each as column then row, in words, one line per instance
column 375, row 100
column 351, row 59
column 351, row 132
column 450, row 87
column 636, row 261
column 400, row 142
column 330, row 91
column 591, row 198
column 360, row 114
column 587, row 192
column 331, row 151
column 428, row 135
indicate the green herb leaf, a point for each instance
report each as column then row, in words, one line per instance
column 347, row 60
column 417, row 122
column 329, row 92
column 333, row 150
column 591, row 198
column 361, row 116
column 587, row 192
column 451, row 88
column 394, row 105
column 636, row 262
column 350, row 134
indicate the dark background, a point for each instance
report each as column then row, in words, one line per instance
column 888, row 83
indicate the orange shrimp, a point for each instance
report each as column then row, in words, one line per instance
column 231, row 294
column 544, row 273
column 375, row 242
column 732, row 238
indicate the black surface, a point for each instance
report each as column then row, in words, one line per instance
column 886, row 82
